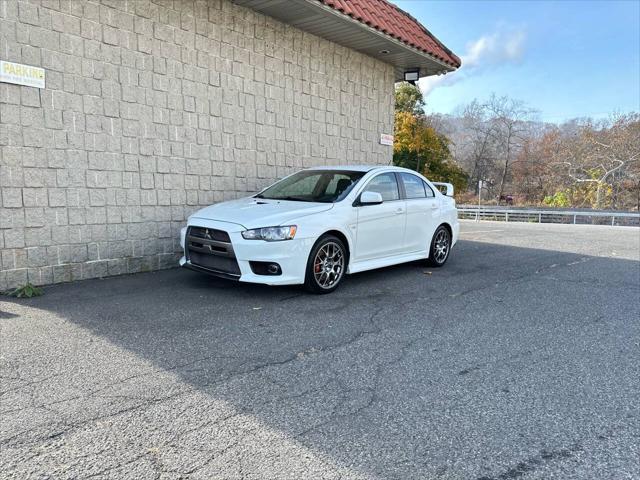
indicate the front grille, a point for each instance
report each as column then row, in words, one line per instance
column 211, row 249
column 210, row 234
column 215, row 263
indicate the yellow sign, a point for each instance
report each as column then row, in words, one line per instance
column 21, row 74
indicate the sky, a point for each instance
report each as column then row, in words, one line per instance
column 565, row 59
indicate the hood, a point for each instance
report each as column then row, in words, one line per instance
column 258, row 212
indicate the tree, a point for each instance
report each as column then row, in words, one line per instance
column 477, row 149
column 510, row 120
column 409, row 99
column 580, row 163
column 419, row 147
column 603, row 161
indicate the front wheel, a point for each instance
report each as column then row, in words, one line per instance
column 326, row 265
column 440, row 247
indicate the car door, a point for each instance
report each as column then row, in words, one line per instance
column 380, row 228
column 423, row 212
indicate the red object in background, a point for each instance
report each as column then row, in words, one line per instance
column 507, row 198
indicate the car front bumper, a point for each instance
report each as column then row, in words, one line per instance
column 290, row 255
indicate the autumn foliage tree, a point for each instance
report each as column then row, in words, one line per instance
column 580, row 163
column 409, row 99
column 418, row 146
column 601, row 162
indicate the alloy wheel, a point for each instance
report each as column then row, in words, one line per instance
column 441, row 246
column 328, row 265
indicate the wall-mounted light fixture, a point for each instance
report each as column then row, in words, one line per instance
column 412, row 76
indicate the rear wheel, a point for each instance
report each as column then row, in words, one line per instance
column 326, row 265
column 440, row 247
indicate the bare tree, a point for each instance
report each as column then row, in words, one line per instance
column 577, row 163
column 511, row 127
column 606, row 155
column 475, row 147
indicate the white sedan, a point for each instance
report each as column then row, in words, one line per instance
column 317, row 225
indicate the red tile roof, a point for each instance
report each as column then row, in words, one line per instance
column 391, row 20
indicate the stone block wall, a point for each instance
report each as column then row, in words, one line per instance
column 153, row 109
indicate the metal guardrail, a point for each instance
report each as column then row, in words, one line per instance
column 576, row 217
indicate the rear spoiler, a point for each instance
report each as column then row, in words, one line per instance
column 448, row 186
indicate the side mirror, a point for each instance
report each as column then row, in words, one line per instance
column 370, row 198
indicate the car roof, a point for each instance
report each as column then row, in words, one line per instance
column 361, row 168
column 349, row 168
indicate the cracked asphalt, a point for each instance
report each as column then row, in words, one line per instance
column 518, row 360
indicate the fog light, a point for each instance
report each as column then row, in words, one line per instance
column 273, row 268
column 265, row 268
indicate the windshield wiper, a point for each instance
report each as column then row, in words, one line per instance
column 294, row 199
column 289, row 197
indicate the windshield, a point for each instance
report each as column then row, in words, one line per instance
column 326, row 186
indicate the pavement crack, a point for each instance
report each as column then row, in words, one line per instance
column 532, row 463
column 29, row 384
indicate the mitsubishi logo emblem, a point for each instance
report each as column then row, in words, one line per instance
column 207, row 234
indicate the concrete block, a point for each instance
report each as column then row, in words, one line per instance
column 12, row 197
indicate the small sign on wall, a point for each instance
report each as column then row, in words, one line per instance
column 386, row 139
column 19, row 74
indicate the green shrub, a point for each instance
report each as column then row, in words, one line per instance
column 26, row 291
column 559, row 199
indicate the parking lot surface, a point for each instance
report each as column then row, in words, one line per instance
column 519, row 359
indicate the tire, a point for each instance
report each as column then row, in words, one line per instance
column 326, row 265
column 440, row 247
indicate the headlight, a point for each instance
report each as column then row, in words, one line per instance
column 271, row 234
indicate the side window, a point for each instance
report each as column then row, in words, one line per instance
column 413, row 186
column 429, row 191
column 385, row 184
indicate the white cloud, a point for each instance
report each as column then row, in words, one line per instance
column 488, row 51
column 497, row 48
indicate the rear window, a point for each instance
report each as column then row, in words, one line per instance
column 413, row 186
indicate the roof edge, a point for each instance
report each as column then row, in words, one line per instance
column 453, row 62
column 449, row 66
column 455, row 57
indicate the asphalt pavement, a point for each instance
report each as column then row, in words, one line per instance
column 520, row 359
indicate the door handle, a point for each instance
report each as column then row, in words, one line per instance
column 434, row 206
column 399, row 210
